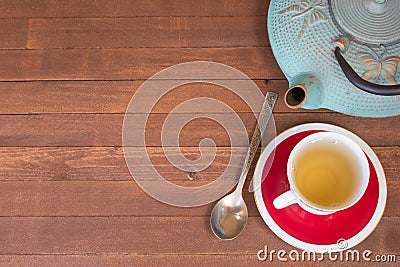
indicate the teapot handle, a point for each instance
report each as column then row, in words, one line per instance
column 377, row 89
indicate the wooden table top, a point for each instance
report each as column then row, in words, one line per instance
column 68, row 70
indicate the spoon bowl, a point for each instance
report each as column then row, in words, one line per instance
column 229, row 216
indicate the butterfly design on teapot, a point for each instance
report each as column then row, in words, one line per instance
column 379, row 65
column 311, row 11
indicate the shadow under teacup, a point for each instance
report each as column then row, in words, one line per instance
column 327, row 172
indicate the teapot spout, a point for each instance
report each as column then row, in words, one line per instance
column 305, row 91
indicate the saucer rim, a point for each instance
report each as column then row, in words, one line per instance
column 354, row 240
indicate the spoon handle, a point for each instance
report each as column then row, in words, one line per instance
column 261, row 125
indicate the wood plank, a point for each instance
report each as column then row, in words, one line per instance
column 101, row 163
column 108, row 163
column 172, row 260
column 13, row 33
column 77, row 235
column 105, row 129
column 122, row 8
column 113, row 198
column 147, row 32
column 129, row 63
column 114, row 96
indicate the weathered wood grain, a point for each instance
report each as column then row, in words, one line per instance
column 105, row 129
column 173, row 260
column 147, row 32
column 13, row 33
column 66, row 195
column 100, row 163
column 113, row 198
column 133, row 8
column 76, row 235
column 114, row 96
column 129, row 63
column 108, row 163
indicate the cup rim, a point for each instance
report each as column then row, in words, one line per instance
column 361, row 159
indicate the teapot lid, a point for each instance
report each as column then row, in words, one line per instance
column 373, row 22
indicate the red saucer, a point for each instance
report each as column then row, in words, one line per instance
column 304, row 229
column 308, row 227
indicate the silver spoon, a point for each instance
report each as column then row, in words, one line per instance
column 229, row 215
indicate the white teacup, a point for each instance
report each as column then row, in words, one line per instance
column 345, row 144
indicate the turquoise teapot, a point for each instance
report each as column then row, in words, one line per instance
column 339, row 54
